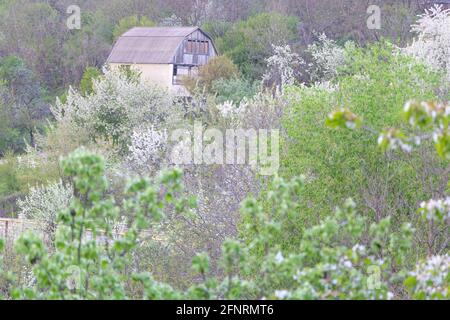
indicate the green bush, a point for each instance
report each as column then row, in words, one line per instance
column 375, row 84
column 220, row 67
column 234, row 89
column 87, row 82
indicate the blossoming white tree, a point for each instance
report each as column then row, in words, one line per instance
column 432, row 43
column 281, row 66
column 146, row 148
column 42, row 204
column 327, row 57
column 117, row 107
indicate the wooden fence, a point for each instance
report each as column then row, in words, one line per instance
column 11, row 229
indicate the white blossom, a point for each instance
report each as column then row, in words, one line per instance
column 279, row 258
column 436, row 210
column 117, row 107
column 281, row 66
column 282, row 294
column 432, row 276
column 147, row 146
column 432, row 44
column 327, row 58
column 43, row 204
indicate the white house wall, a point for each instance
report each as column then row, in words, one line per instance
column 157, row 74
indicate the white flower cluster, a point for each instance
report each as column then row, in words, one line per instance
column 394, row 140
column 432, row 277
column 326, row 86
column 436, row 210
column 327, row 58
column 432, row 44
column 432, row 109
column 147, row 146
column 281, row 65
column 44, row 203
column 117, row 106
column 229, row 109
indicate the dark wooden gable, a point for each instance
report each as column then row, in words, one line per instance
column 196, row 50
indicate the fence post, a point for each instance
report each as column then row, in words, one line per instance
column 6, row 231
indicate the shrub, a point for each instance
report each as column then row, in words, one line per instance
column 375, row 84
column 432, row 43
column 234, row 89
column 344, row 256
column 217, row 68
column 116, row 107
column 43, row 204
column 87, row 81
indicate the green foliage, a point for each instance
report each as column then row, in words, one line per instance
column 83, row 265
column 127, row 23
column 8, row 175
column 249, row 43
column 86, row 83
column 234, row 89
column 220, row 67
column 216, row 29
column 119, row 104
column 374, row 84
column 22, row 101
column 10, row 138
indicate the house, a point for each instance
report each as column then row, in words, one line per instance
column 163, row 55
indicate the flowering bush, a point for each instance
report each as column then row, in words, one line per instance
column 436, row 210
column 327, row 58
column 146, row 149
column 344, row 256
column 43, row 204
column 432, row 43
column 281, row 67
column 431, row 278
column 89, row 264
column 117, row 107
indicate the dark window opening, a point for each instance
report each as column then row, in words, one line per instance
column 180, row 71
column 197, row 47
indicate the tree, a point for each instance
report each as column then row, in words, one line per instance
column 249, row 43
column 335, row 260
column 32, row 32
column 87, row 82
column 87, row 47
column 282, row 67
column 127, row 23
column 10, row 138
column 24, row 95
column 374, row 82
column 432, row 43
column 118, row 105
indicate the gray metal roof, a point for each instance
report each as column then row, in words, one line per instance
column 159, row 32
column 142, row 45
